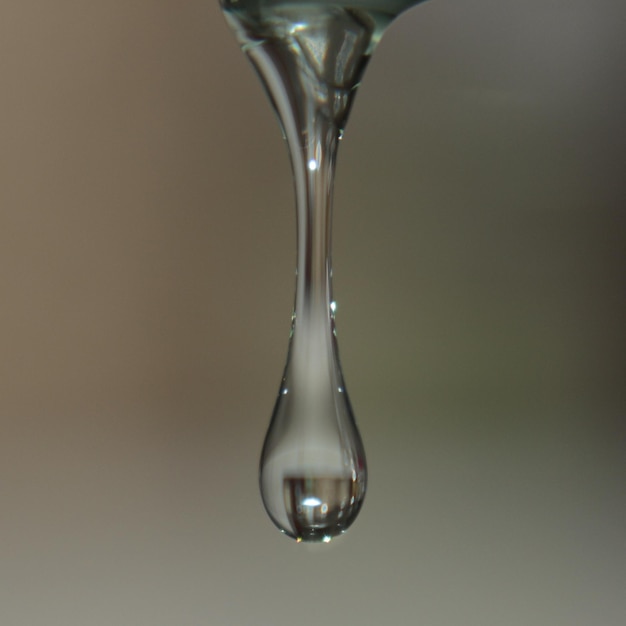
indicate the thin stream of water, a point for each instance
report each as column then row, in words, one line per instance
column 310, row 57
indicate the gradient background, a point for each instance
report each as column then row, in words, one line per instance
column 146, row 282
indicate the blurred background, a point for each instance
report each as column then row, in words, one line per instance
column 147, row 251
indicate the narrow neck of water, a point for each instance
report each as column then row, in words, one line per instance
column 310, row 70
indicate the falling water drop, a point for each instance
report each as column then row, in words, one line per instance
column 311, row 56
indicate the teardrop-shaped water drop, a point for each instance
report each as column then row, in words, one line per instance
column 310, row 56
column 313, row 474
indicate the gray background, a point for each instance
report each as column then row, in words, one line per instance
column 146, row 282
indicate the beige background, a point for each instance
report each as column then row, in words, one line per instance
column 146, row 279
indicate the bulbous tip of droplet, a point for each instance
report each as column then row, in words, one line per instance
column 315, row 509
column 313, row 473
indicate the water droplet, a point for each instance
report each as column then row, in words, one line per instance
column 311, row 57
column 313, row 473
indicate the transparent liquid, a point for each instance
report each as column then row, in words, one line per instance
column 322, row 45
column 259, row 12
column 310, row 57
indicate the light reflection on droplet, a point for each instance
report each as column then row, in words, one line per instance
column 313, row 165
column 311, row 502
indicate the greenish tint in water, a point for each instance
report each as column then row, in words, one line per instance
column 328, row 42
